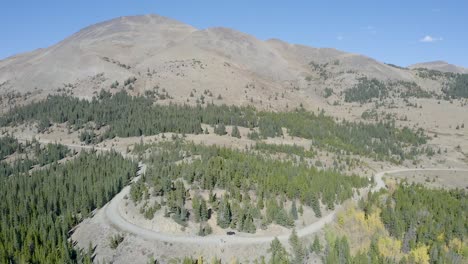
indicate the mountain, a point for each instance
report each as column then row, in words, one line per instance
column 170, row 56
column 439, row 66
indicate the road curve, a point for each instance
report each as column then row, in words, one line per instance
column 113, row 215
column 115, row 218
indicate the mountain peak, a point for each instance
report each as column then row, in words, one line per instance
column 164, row 52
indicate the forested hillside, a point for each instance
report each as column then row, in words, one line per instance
column 421, row 226
column 38, row 209
column 29, row 154
column 126, row 116
column 368, row 90
column 256, row 187
column 458, row 87
column 9, row 145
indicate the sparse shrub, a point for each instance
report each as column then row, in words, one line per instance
column 115, row 240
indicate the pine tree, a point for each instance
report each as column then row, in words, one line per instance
column 301, row 210
column 294, row 210
column 260, row 204
column 316, row 247
column 278, row 253
column 203, row 210
column 211, row 197
column 297, row 247
column 235, row 132
column 224, row 214
column 196, row 208
column 316, row 206
column 248, row 224
column 220, row 130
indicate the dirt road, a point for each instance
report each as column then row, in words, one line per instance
column 115, row 218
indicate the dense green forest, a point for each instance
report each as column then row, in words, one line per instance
column 9, row 145
column 456, row 84
column 39, row 208
column 32, row 154
column 125, row 116
column 421, row 226
column 381, row 140
column 257, row 187
column 427, row 225
column 367, row 89
column 457, row 87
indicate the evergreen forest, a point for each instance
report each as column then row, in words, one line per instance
column 40, row 207
column 257, row 190
column 123, row 115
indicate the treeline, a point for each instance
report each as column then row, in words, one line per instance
column 39, row 209
column 49, row 153
column 368, row 89
column 258, row 190
column 380, row 140
column 456, row 84
column 128, row 115
column 425, row 226
column 124, row 116
column 8, row 146
column 32, row 154
column 435, row 218
column 365, row 90
column 457, row 87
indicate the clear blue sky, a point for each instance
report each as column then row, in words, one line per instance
column 399, row 32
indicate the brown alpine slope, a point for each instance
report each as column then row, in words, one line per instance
column 439, row 66
column 161, row 52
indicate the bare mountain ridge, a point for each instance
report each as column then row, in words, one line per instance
column 161, row 52
column 440, row 66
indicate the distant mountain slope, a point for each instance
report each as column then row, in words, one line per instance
column 167, row 56
column 440, row 66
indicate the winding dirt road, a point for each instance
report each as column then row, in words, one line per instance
column 115, row 218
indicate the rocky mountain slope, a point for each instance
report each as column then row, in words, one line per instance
column 179, row 62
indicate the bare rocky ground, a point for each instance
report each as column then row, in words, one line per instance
column 137, row 250
column 435, row 179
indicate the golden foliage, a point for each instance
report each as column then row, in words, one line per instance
column 389, row 247
column 373, row 222
column 456, row 245
column 441, row 237
column 420, row 254
column 359, row 230
column 341, row 220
